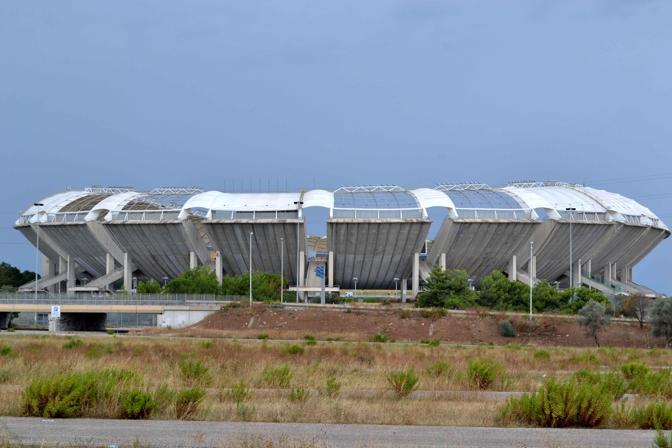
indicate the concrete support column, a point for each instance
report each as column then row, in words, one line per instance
column 614, row 272
column 302, row 268
column 331, row 269
column 415, row 281
column 70, row 281
column 62, row 268
column 589, row 268
column 608, row 273
column 443, row 262
column 404, row 287
column 513, row 268
column 128, row 273
column 48, row 270
column 628, row 274
column 193, row 261
column 109, row 264
column 578, row 273
column 219, row 271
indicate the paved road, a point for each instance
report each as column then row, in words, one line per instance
column 86, row 432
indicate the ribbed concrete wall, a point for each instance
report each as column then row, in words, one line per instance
column 231, row 238
column 646, row 243
column 374, row 251
column 553, row 255
column 622, row 241
column 80, row 243
column 51, row 252
column 157, row 249
column 478, row 246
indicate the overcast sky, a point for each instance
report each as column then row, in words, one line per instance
column 257, row 94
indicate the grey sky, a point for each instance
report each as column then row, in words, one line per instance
column 224, row 94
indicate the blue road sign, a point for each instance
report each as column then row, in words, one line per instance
column 319, row 271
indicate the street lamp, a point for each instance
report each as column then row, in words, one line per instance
column 530, row 275
column 37, row 245
column 251, row 233
column 282, row 268
column 571, row 253
column 354, row 279
column 471, row 283
column 396, row 282
column 298, row 246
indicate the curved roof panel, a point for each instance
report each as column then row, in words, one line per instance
column 619, row 204
column 430, row 197
column 561, row 198
column 216, row 200
column 318, row 198
column 375, row 199
column 50, row 204
column 112, row 203
column 483, row 199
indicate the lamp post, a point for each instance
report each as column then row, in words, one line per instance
column 37, row 245
column 571, row 249
column 354, row 279
column 282, row 268
column 531, row 281
column 298, row 246
column 251, row 233
column 396, row 282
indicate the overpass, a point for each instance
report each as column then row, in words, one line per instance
column 80, row 312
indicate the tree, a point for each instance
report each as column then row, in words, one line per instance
column 149, row 287
column 546, row 297
column 593, row 318
column 661, row 319
column 637, row 306
column 12, row 277
column 449, row 289
column 498, row 292
column 194, row 281
column 573, row 299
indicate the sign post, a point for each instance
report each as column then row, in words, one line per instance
column 54, row 317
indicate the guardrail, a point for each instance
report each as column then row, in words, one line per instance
column 134, row 299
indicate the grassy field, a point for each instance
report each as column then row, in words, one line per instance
column 308, row 380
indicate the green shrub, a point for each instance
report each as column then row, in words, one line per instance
column 661, row 441
column 432, row 313
column 506, row 329
column 293, row 349
column 298, row 394
column 438, row 369
column 193, row 371
column 333, row 388
column 542, row 355
column 136, row 404
column 164, row 397
column 73, row 343
column 482, row 373
column 74, row 394
column 560, row 405
column 207, row 345
column 97, row 350
column 279, row 376
column 239, row 392
column 379, row 337
column 634, row 370
column 657, row 415
column 431, row 342
column 403, row 382
column 611, row 382
column 262, row 336
column 310, row 340
column 652, row 383
column 187, row 402
column 5, row 350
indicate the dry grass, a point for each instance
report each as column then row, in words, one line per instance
column 361, row 368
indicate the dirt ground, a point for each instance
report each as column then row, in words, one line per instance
column 409, row 325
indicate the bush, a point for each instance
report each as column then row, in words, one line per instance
column 333, row 388
column 298, row 394
column 310, row 340
column 498, row 292
column 661, row 441
column 279, row 376
column 136, row 404
column 431, row 342
column 438, row 369
column 293, row 349
column 74, row 394
column 73, row 343
column 187, row 402
column 403, row 382
column 611, row 382
column 193, row 371
column 542, row 355
column 560, row 405
column 652, row 383
column 149, row 287
column 506, row 329
column 379, row 337
column 432, row 313
column 593, row 318
column 482, row 373
column 238, row 393
column 5, row 350
column 657, row 415
column 446, row 289
column 634, row 370
column 262, row 336
column 200, row 280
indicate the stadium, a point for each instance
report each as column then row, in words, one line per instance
column 370, row 237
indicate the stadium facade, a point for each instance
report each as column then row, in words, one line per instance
column 377, row 237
